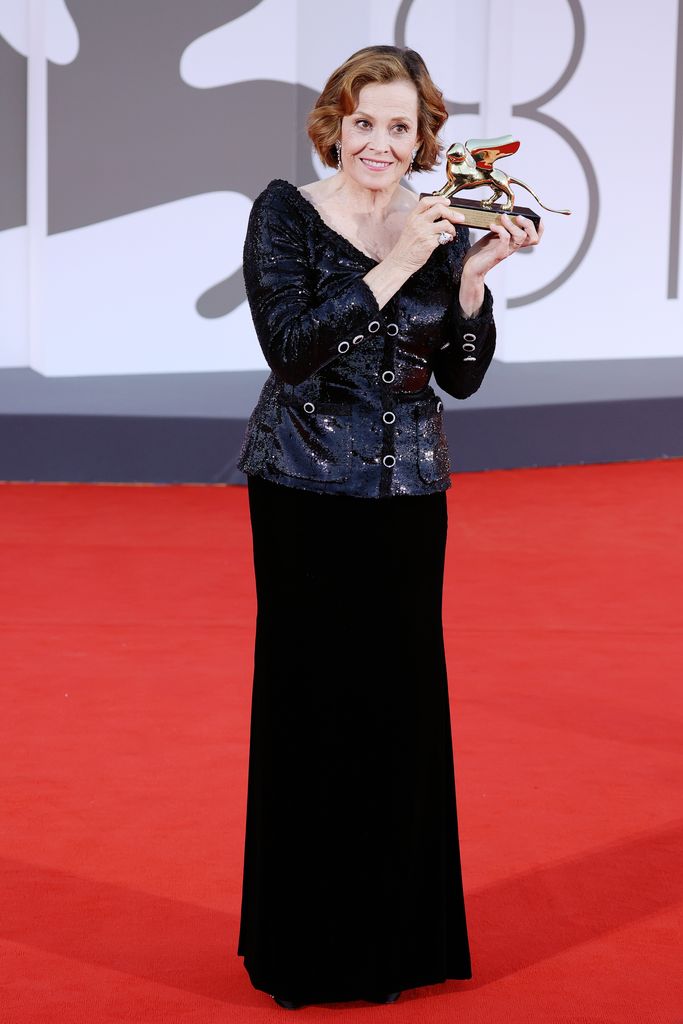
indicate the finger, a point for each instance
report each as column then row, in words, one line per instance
column 446, row 227
column 446, row 211
column 518, row 236
column 527, row 225
column 505, row 223
column 428, row 201
column 450, row 217
column 498, row 231
column 439, row 205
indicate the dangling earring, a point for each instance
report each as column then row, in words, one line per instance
column 410, row 169
column 339, row 163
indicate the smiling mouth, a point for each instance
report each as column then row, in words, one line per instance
column 375, row 163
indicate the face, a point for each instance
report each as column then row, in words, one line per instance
column 378, row 138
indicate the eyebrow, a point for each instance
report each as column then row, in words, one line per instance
column 396, row 117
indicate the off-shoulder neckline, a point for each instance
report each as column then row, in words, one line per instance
column 309, row 206
column 305, row 204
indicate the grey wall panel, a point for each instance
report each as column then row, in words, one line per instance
column 12, row 137
column 506, row 385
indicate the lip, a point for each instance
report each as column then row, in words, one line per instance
column 387, row 164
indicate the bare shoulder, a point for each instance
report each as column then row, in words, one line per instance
column 313, row 189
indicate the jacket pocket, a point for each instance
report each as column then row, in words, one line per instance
column 313, row 444
column 433, row 457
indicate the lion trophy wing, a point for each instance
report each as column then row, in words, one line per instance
column 485, row 152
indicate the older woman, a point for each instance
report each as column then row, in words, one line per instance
column 359, row 292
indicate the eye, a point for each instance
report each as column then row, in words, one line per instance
column 363, row 120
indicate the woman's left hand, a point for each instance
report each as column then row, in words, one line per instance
column 503, row 239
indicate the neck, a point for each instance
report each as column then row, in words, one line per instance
column 371, row 202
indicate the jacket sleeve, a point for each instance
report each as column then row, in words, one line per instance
column 298, row 333
column 468, row 342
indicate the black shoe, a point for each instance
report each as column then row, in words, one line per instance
column 391, row 998
column 287, row 1003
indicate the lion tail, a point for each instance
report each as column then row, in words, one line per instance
column 517, row 181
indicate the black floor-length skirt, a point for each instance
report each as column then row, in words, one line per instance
column 352, row 880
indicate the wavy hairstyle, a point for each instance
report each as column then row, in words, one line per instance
column 377, row 64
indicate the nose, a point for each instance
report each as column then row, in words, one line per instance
column 379, row 142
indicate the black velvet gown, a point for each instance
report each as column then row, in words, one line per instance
column 352, row 879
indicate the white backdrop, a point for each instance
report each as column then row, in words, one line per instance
column 119, row 295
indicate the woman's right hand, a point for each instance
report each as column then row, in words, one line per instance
column 420, row 235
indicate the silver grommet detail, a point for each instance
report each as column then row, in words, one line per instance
column 468, row 346
column 470, row 359
column 389, row 417
column 388, row 376
column 343, row 346
column 389, row 330
column 470, row 337
column 309, row 407
column 389, row 460
column 359, row 337
column 373, row 326
column 439, row 406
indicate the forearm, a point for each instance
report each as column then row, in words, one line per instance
column 297, row 337
column 385, row 279
column 469, row 343
column 471, row 295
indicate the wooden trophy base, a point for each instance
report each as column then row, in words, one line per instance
column 482, row 217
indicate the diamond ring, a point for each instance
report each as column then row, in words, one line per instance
column 444, row 237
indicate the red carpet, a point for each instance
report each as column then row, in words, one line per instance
column 127, row 615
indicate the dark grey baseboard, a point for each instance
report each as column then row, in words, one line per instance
column 187, row 449
column 561, row 435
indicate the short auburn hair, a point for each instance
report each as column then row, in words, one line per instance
column 369, row 65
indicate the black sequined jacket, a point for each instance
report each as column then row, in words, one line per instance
column 348, row 407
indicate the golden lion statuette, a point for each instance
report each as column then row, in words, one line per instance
column 471, row 166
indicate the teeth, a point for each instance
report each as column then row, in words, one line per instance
column 376, row 163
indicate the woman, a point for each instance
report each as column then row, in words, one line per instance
column 359, row 292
